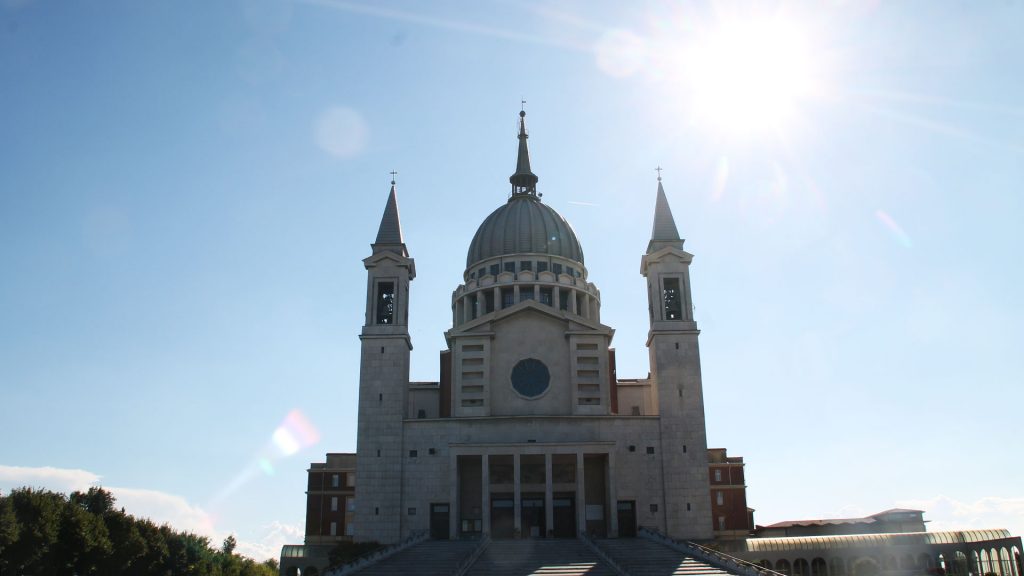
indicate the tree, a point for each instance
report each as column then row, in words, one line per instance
column 97, row 500
column 229, row 545
column 38, row 514
column 8, row 530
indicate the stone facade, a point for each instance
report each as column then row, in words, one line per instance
column 522, row 435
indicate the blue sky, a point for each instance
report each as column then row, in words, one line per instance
column 187, row 190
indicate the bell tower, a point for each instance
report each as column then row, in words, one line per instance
column 675, row 369
column 383, row 381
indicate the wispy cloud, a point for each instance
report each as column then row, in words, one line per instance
column 370, row 9
column 56, row 479
column 945, row 513
column 274, row 535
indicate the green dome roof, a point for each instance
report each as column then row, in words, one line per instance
column 524, row 225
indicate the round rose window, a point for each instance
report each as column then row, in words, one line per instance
column 530, row 377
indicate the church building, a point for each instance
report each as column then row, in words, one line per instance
column 528, row 432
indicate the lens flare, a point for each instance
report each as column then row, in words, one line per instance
column 294, row 434
column 895, row 229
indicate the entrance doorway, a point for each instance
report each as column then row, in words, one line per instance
column 564, row 506
column 439, row 514
column 503, row 516
column 532, row 517
column 627, row 518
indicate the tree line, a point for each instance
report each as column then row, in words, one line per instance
column 44, row 533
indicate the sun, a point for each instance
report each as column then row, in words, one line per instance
column 750, row 77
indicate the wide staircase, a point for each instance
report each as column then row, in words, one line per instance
column 643, row 557
column 428, row 558
column 567, row 557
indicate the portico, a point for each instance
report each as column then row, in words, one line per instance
column 532, row 490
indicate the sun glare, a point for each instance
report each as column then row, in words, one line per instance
column 750, row 77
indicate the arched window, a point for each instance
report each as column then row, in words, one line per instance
column 865, row 566
column 818, row 567
column 800, row 568
column 765, row 564
column 783, row 567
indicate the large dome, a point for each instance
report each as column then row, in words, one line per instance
column 524, row 225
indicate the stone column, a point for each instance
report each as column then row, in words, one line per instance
column 613, row 497
column 516, row 496
column 497, row 298
column 572, row 302
column 549, row 505
column 556, row 296
column 581, row 501
column 515, row 294
column 453, row 497
column 485, row 498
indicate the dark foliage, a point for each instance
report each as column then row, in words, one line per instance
column 45, row 533
column 345, row 552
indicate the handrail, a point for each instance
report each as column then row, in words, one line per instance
column 468, row 561
column 708, row 555
column 379, row 554
column 590, row 542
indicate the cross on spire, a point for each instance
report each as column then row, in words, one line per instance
column 658, row 170
column 522, row 105
column 393, row 174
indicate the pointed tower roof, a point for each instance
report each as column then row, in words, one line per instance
column 664, row 232
column 389, row 235
column 524, row 181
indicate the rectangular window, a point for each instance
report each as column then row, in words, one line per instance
column 334, row 503
column 721, row 522
column 542, row 267
column 412, row 511
column 413, row 453
column 556, row 268
column 673, row 299
column 334, row 528
column 718, row 475
column 494, row 269
column 350, row 479
column 545, row 296
column 350, row 529
column 650, row 449
column 385, row 303
column 525, row 293
column 526, row 265
column 472, row 307
column 508, row 298
column 488, row 301
column 719, row 498
column 510, row 267
column 350, row 504
column 334, row 480
column 481, row 273
column 563, row 300
column 570, row 271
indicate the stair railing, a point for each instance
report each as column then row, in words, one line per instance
column 709, row 555
column 602, row 553
column 468, row 561
column 379, row 554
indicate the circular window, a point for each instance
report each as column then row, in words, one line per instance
column 530, row 377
